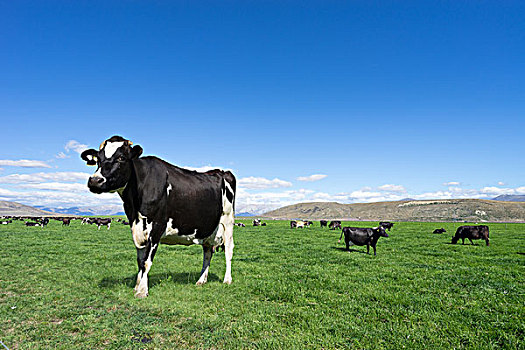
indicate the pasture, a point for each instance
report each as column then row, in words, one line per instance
column 72, row 288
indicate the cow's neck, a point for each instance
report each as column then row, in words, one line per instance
column 129, row 197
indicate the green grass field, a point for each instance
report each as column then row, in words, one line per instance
column 72, row 288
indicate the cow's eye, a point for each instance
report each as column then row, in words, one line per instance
column 121, row 159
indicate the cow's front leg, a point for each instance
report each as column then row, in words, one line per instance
column 208, row 253
column 145, row 257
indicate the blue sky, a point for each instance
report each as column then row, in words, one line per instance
column 385, row 99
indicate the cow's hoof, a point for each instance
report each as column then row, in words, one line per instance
column 200, row 283
column 141, row 295
column 227, row 281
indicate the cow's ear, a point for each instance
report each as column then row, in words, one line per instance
column 136, row 151
column 90, row 156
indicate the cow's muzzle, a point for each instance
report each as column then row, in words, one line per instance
column 95, row 183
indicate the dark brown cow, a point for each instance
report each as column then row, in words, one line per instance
column 471, row 232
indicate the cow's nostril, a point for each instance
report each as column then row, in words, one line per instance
column 96, row 181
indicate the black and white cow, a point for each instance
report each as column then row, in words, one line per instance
column 363, row 236
column 334, row 224
column 166, row 204
column 101, row 222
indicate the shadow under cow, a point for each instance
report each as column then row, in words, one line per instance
column 157, row 278
column 343, row 249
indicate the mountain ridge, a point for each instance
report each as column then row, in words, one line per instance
column 472, row 210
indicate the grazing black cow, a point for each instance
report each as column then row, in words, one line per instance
column 323, row 223
column 124, row 222
column 386, row 224
column 334, row 224
column 166, row 204
column 471, row 232
column 363, row 236
column 66, row 221
column 439, row 230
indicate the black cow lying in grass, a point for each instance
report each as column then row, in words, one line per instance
column 439, row 230
column 471, row 232
column 363, row 236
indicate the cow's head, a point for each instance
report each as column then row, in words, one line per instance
column 381, row 231
column 454, row 240
column 114, row 160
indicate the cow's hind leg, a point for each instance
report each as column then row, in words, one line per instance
column 228, row 251
column 208, row 253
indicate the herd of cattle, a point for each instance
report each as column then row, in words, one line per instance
column 40, row 221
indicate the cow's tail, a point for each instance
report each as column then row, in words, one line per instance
column 232, row 182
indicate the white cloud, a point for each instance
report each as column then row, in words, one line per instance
column 261, row 183
column 61, row 155
column 311, row 178
column 501, row 183
column 43, row 177
column 452, row 183
column 392, row 188
column 25, row 163
column 497, row 191
column 57, row 186
column 73, row 145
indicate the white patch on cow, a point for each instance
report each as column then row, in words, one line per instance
column 169, row 189
column 111, row 148
column 140, row 236
column 171, row 236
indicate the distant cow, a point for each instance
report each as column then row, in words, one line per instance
column 439, row 230
column 29, row 223
column 334, row 224
column 471, row 232
column 363, row 236
column 66, row 221
column 386, row 224
column 323, row 223
column 257, row 222
column 101, row 222
column 293, row 224
column 240, row 224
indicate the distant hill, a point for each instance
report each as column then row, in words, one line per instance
column 16, row 209
column 472, row 210
column 510, row 198
column 83, row 211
